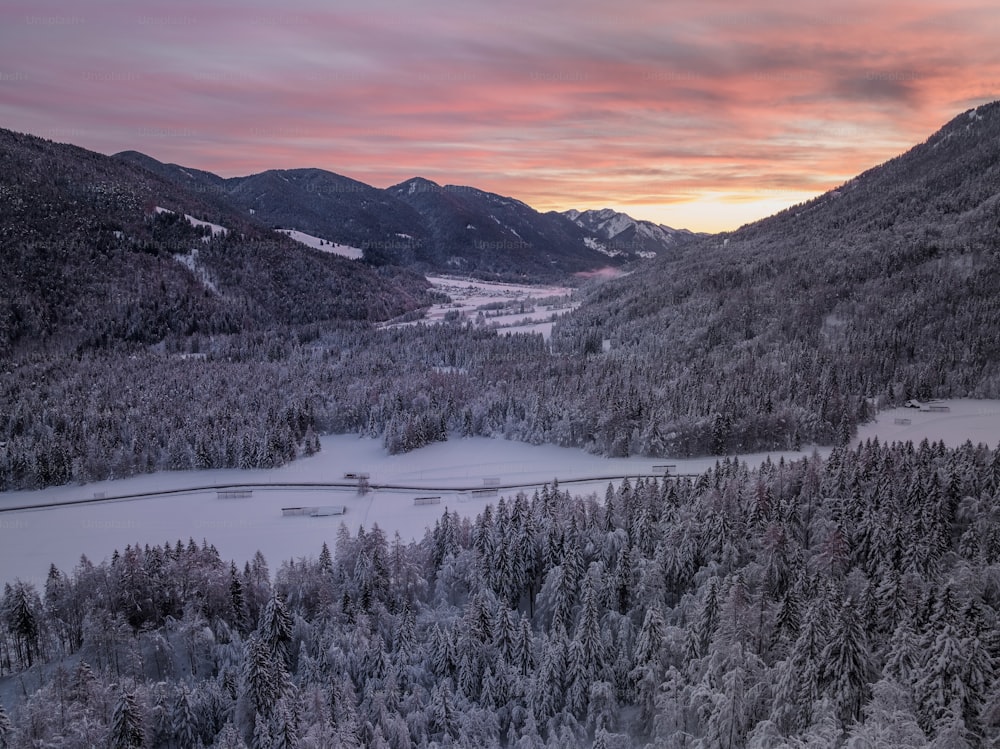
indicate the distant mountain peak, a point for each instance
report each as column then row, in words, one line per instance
column 624, row 233
column 416, row 184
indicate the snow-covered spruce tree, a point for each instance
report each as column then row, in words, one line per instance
column 183, row 720
column 941, row 690
column 21, row 604
column 847, row 665
column 708, row 619
column 799, row 677
column 126, row 723
column 261, row 686
column 275, row 628
column 443, row 713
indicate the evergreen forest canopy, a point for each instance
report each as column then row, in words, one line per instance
column 850, row 601
column 132, row 341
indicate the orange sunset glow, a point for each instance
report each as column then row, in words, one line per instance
column 701, row 115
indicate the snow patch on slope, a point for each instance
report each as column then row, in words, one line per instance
column 190, row 261
column 323, row 245
column 600, row 247
column 618, row 223
column 215, row 228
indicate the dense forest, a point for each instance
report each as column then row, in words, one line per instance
column 263, row 398
column 850, row 601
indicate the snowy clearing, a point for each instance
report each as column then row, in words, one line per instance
column 965, row 419
column 511, row 308
column 32, row 539
column 323, row 245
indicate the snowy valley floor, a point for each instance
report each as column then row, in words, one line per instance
column 509, row 307
column 30, row 540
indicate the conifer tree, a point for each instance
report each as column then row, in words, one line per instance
column 184, row 723
column 126, row 723
column 799, row 676
column 649, row 642
column 275, row 628
column 325, row 559
column 524, row 655
column 940, row 690
column 23, row 622
column 847, row 665
column 708, row 618
column 443, row 715
column 262, row 682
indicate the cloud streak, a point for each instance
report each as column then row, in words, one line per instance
column 697, row 114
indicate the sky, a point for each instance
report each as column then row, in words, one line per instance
column 703, row 115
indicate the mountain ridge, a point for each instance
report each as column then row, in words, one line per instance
column 621, row 231
column 417, row 223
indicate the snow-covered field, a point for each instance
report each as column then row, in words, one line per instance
column 965, row 419
column 32, row 539
column 323, row 245
column 512, row 308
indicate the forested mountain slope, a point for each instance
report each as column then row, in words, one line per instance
column 88, row 261
column 494, row 236
column 315, row 201
column 884, row 289
column 104, row 296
